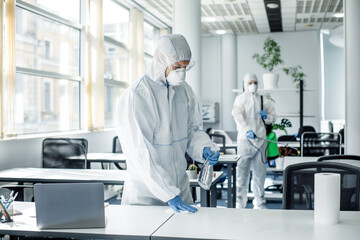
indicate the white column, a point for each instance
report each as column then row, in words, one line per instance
column 352, row 75
column 228, row 80
column 187, row 21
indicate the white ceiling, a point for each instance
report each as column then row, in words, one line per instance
column 249, row 16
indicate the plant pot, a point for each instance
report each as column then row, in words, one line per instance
column 192, row 174
column 279, row 163
column 271, row 80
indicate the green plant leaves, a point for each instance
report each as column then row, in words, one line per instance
column 296, row 74
column 271, row 57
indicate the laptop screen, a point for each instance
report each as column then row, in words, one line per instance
column 69, row 205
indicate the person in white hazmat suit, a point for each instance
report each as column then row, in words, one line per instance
column 159, row 121
column 249, row 118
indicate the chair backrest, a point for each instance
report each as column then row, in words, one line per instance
column 219, row 138
column 298, row 184
column 287, row 138
column 348, row 159
column 116, row 146
column 305, row 129
column 56, row 150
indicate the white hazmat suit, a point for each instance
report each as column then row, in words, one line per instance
column 157, row 123
column 246, row 114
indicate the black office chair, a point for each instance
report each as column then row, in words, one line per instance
column 347, row 159
column 298, row 185
column 55, row 152
column 116, row 148
column 307, row 129
column 287, row 138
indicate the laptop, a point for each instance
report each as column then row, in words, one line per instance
column 69, row 205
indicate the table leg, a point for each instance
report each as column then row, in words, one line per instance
column 204, row 198
column 212, row 193
column 229, row 188
column 234, row 185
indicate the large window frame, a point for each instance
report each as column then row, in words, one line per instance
column 77, row 26
column 115, row 85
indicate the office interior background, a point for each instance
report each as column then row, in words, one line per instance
column 66, row 61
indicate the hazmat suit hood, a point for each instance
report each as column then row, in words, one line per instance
column 170, row 49
column 248, row 78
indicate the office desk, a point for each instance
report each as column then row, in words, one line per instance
column 207, row 198
column 107, row 177
column 225, row 223
column 231, row 161
column 100, row 158
column 59, row 175
column 122, row 222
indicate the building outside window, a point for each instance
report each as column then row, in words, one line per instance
column 116, row 55
column 47, row 80
column 151, row 35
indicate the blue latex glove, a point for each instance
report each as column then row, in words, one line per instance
column 250, row 134
column 263, row 114
column 212, row 157
column 178, row 205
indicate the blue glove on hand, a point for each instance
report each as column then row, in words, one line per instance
column 212, row 157
column 263, row 114
column 178, row 205
column 250, row 134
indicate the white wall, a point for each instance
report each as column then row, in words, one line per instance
column 211, row 73
column 27, row 152
column 297, row 48
column 334, row 76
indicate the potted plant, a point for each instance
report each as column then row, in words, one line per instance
column 283, row 125
column 269, row 60
column 192, row 171
column 296, row 74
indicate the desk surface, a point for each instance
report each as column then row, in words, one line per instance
column 101, row 157
column 56, row 175
column 121, row 158
column 224, row 223
column 122, row 222
column 228, row 158
column 195, row 183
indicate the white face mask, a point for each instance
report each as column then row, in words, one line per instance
column 176, row 77
column 253, row 88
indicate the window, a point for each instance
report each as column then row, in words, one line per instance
column 46, row 104
column 116, row 21
column 116, row 56
column 47, row 80
column 33, row 44
column 151, row 35
column 68, row 9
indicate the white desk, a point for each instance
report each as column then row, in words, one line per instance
column 150, row 222
column 231, row 161
column 58, row 175
column 207, row 198
column 225, row 223
column 122, row 222
column 115, row 158
column 111, row 177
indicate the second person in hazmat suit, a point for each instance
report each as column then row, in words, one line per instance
column 250, row 118
column 159, row 121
